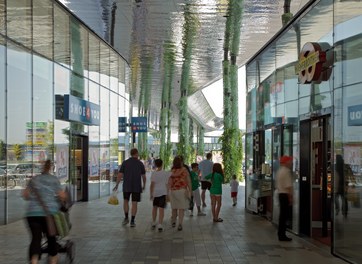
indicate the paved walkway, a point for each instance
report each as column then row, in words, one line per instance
column 100, row 238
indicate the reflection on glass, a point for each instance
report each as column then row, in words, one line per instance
column 113, row 138
column 104, row 64
column 79, row 44
column 19, row 24
column 61, row 37
column 3, row 178
column 43, row 125
column 94, row 64
column 2, row 16
column 19, row 125
column 43, row 27
column 104, row 143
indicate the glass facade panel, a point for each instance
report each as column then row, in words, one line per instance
column 94, row 148
column 43, row 27
column 104, row 64
column 113, row 133
column 3, row 178
column 79, row 45
column 94, row 58
column 114, row 71
column 19, row 124
column 62, row 78
column 19, row 26
column 43, row 124
column 104, row 143
column 61, row 36
column 2, row 16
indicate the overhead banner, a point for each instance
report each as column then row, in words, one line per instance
column 139, row 124
column 82, row 111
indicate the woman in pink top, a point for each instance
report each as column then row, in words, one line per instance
column 180, row 191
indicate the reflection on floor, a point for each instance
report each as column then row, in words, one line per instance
column 317, row 235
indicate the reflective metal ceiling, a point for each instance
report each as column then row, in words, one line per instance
column 138, row 29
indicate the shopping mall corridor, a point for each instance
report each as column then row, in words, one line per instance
column 100, row 238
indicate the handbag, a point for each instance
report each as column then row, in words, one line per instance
column 61, row 223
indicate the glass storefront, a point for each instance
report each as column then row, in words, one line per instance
column 62, row 65
column 317, row 121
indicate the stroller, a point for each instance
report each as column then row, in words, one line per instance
column 64, row 245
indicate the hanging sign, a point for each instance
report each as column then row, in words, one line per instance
column 139, row 124
column 122, row 124
column 355, row 115
column 313, row 64
column 82, row 111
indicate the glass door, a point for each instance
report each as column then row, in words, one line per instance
column 79, row 167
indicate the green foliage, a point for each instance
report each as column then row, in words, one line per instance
column 232, row 153
column 2, row 150
column 18, row 151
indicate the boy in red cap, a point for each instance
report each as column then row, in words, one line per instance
column 285, row 190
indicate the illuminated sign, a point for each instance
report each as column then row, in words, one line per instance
column 313, row 64
column 82, row 111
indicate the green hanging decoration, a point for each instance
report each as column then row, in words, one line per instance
column 190, row 29
column 232, row 137
column 200, row 141
column 169, row 59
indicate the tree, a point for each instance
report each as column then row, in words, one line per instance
column 18, row 151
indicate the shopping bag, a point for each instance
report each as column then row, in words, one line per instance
column 113, row 200
column 61, row 223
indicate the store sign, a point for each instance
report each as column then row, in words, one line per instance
column 139, row 124
column 122, row 124
column 82, row 111
column 312, row 63
column 355, row 115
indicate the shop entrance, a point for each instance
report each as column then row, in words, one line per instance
column 79, row 167
column 315, row 185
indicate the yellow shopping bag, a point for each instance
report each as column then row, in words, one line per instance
column 113, row 200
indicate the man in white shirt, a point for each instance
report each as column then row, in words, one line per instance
column 205, row 168
column 285, row 190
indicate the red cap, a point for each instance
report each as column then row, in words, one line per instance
column 285, row 159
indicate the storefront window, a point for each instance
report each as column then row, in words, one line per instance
column 113, row 138
column 94, row 148
column 61, row 128
column 104, row 143
column 19, row 21
column 19, row 124
column 61, row 37
column 43, row 27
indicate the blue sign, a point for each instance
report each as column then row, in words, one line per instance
column 122, row 124
column 82, row 111
column 355, row 115
column 139, row 124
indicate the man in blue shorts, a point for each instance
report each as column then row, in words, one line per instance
column 133, row 173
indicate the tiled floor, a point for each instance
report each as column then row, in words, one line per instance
column 100, row 238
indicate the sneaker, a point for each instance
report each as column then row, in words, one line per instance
column 285, row 238
column 125, row 221
column 133, row 224
column 201, row 214
column 153, row 226
column 234, row 204
column 173, row 224
column 160, row 228
column 179, row 227
column 204, row 205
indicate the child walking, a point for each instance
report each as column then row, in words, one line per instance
column 158, row 192
column 217, row 179
column 195, row 198
column 234, row 184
